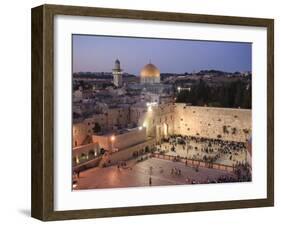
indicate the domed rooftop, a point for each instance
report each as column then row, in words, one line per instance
column 150, row 70
column 117, row 65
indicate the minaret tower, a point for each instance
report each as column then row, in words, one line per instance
column 117, row 74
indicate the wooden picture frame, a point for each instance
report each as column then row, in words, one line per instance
column 43, row 108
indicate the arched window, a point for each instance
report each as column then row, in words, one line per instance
column 92, row 154
column 83, row 156
column 146, row 149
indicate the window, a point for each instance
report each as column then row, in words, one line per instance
column 83, row 156
column 91, row 153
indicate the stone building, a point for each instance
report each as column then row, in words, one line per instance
column 117, row 74
column 157, row 119
column 79, row 134
column 150, row 74
column 150, row 85
column 80, row 94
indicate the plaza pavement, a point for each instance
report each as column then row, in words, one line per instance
column 138, row 173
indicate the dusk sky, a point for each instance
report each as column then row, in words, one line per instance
column 98, row 53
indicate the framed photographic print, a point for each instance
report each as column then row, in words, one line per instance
column 141, row 112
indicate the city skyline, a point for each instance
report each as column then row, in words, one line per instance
column 97, row 54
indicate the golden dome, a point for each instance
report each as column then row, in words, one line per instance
column 150, row 70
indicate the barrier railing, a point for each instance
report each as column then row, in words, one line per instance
column 194, row 163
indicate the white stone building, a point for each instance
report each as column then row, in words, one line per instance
column 117, row 74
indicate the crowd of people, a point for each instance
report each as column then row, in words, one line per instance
column 205, row 149
column 208, row 150
column 243, row 171
column 221, row 179
column 176, row 171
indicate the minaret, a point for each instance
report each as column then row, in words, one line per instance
column 117, row 74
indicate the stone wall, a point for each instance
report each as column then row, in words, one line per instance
column 127, row 153
column 223, row 123
column 152, row 116
column 121, row 141
column 110, row 119
column 77, row 151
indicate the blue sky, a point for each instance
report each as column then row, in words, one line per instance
column 98, row 53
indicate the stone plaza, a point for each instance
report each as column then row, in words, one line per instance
column 138, row 174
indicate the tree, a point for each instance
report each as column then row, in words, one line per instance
column 231, row 94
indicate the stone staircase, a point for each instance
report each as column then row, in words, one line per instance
column 104, row 160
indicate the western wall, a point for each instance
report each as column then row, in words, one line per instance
column 223, row 123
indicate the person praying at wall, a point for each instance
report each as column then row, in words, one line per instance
column 150, row 181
